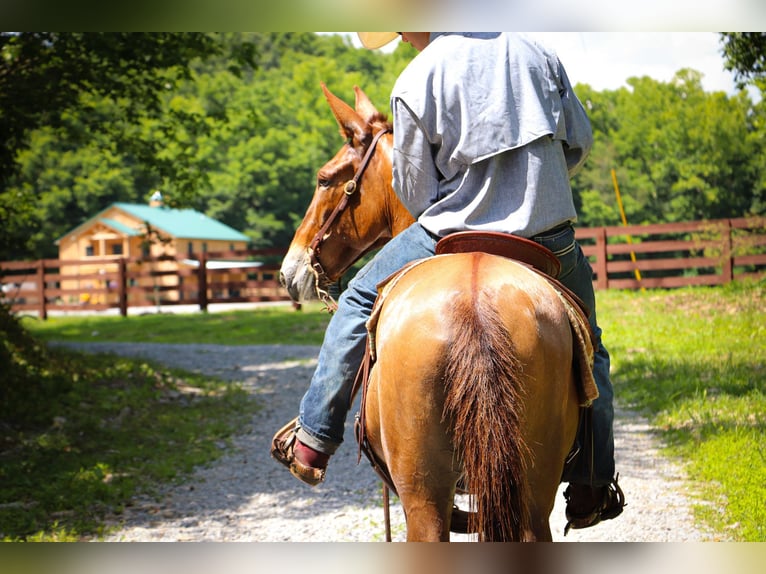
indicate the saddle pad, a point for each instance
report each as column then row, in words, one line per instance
column 582, row 351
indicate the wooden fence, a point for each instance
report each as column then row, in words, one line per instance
column 637, row 256
column 119, row 283
column 676, row 254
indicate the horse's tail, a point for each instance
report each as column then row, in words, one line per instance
column 482, row 402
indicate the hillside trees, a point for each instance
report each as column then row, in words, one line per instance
column 85, row 92
column 680, row 153
column 240, row 143
column 241, row 129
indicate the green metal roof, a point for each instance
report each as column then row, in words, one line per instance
column 183, row 223
column 117, row 226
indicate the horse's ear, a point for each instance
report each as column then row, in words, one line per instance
column 350, row 122
column 364, row 106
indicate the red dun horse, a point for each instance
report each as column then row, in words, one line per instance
column 474, row 378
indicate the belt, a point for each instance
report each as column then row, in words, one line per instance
column 554, row 230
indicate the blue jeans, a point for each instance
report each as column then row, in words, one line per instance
column 325, row 405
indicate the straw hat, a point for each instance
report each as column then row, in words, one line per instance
column 374, row 40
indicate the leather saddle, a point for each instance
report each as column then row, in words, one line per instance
column 520, row 249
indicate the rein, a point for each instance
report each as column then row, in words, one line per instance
column 349, row 189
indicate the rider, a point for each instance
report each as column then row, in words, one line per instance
column 487, row 132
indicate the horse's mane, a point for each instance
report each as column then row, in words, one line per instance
column 380, row 121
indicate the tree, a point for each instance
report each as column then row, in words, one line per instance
column 680, row 153
column 46, row 78
column 43, row 74
column 745, row 54
column 592, row 187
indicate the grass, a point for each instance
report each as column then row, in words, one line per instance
column 260, row 326
column 119, row 427
column 692, row 360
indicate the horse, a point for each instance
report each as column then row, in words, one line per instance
column 488, row 403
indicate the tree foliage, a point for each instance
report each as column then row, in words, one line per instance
column 44, row 74
column 680, row 153
column 236, row 125
column 745, row 54
column 87, row 92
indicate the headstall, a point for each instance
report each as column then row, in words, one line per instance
column 349, row 189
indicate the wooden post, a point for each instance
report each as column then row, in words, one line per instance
column 122, row 286
column 202, row 282
column 727, row 252
column 602, row 281
column 41, row 289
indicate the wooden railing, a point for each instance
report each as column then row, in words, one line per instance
column 676, row 254
column 96, row 284
column 633, row 257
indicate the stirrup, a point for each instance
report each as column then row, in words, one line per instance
column 611, row 506
column 283, row 450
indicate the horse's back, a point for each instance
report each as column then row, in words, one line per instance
column 420, row 308
column 418, row 324
column 443, row 320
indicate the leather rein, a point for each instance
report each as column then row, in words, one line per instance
column 351, row 187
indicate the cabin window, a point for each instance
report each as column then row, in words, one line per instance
column 190, row 248
column 88, row 251
column 117, row 249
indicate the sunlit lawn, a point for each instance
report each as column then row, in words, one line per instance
column 694, row 361
column 259, row 326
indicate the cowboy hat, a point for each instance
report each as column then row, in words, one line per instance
column 374, row 40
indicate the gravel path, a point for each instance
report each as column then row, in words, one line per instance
column 247, row 496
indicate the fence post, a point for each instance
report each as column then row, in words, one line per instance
column 122, row 286
column 41, row 289
column 202, row 282
column 727, row 253
column 602, row 280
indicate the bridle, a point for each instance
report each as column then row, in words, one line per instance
column 351, row 187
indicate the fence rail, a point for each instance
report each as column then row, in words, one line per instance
column 632, row 257
column 120, row 283
column 676, row 254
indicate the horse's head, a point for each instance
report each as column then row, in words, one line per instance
column 354, row 208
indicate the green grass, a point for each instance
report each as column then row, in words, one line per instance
column 119, row 427
column 694, row 361
column 260, row 326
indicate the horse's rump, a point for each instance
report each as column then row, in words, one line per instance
column 474, row 373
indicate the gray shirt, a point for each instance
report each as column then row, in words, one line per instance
column 487, row 132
